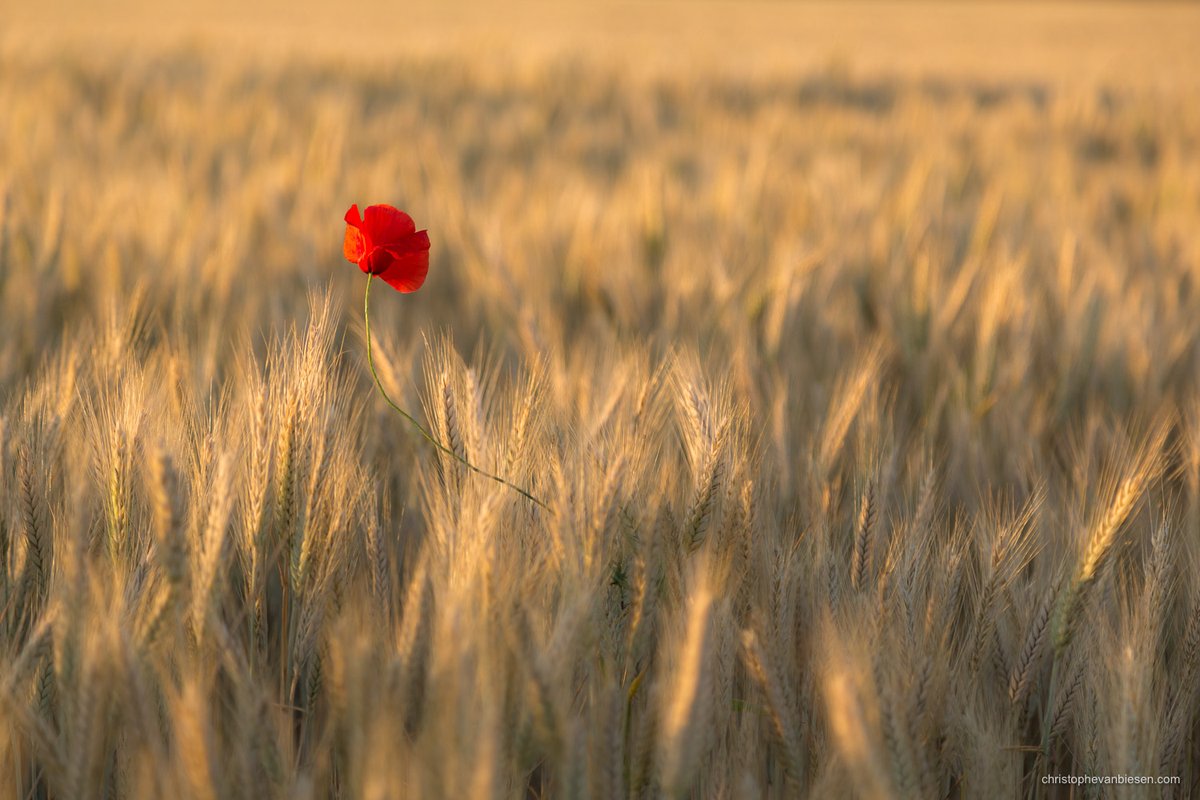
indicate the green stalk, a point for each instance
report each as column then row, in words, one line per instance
column 429, row 436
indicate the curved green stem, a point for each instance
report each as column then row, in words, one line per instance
column 419, row 426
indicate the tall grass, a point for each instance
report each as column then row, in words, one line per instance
column 864, row 412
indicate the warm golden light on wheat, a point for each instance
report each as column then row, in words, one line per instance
column 800, row 427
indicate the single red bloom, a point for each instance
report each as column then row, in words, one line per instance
column 385, row 242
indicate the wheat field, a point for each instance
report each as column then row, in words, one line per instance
column 860, row 390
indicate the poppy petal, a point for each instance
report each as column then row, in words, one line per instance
column 419, row 241
column 354, row 247
column 387, row 225
column 376, row 261
column 353, row 217
column 407, row 270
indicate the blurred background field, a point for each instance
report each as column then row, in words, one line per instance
column 854, row 349
column 1149, row 43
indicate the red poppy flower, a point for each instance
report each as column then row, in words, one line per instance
column 385, row 242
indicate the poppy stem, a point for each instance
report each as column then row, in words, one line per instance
column 418, row 425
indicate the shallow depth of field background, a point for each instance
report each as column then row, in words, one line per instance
column 854, row 350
